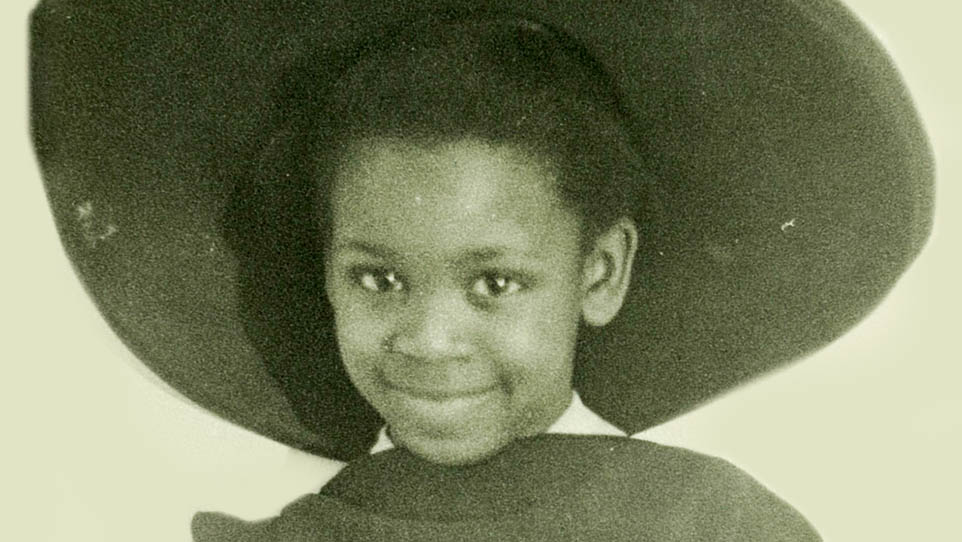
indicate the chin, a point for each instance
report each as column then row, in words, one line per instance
column 454, row 451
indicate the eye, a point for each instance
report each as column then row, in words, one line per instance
column 378, row 280
column 495, row 285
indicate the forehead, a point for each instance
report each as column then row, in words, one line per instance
column 428, row 198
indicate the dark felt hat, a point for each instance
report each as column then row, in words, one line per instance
column 794, row 186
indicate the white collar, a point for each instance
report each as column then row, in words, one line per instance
column 577, row 419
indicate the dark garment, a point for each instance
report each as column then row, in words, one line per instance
column 544, row 488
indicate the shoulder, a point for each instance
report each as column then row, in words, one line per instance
column 705, row 496
column 299, row 521
column 217, row 527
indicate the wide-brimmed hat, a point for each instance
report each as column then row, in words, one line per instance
column 794, row 187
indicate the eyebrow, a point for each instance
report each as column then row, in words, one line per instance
column 471, row 256
column 481, row 255
column 361, row 246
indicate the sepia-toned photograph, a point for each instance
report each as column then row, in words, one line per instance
column 322, row 270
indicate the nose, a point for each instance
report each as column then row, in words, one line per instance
column 434, row 326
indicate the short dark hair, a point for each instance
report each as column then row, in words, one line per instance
column 502, row 80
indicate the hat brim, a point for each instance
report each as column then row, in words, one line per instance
column 795, row 186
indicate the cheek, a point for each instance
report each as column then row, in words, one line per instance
column 359, row 340
column 536, row 352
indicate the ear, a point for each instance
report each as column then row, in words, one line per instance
column 607, row 272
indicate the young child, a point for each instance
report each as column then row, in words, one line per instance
column 478, row 205
column 482, row 186
column 486, row 222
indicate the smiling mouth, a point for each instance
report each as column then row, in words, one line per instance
column 437, row 394
column 441, row 395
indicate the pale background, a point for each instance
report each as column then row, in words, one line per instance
column 865, row 437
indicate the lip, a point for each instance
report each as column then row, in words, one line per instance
column 440, row 395
column 436, row 393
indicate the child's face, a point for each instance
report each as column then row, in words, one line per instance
column 455, row 274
